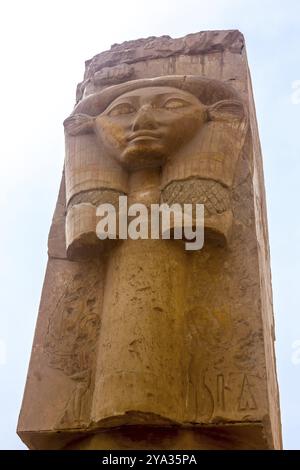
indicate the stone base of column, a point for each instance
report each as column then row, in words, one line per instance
column 228, row 437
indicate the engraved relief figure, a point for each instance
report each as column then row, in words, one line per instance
column 70, row 342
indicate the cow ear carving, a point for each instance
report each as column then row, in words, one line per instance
column 226, row 110
column 79, row 124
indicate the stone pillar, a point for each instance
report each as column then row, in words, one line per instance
column 141, row 344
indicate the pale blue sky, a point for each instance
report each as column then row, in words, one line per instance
column 43, row 49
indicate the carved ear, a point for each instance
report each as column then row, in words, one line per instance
column 79, row 124
column 226, row 110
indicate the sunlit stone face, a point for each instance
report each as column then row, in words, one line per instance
column 144, row 127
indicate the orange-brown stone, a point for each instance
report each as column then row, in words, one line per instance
column 141, row 344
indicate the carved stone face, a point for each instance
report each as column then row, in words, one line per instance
column 142, row 128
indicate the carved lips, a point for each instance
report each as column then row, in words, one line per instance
column 142, row 135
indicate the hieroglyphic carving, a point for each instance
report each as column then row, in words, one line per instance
column 246, row 399
column 220, row 392
column 206, row 392
column 71, row 339
column 232, row 394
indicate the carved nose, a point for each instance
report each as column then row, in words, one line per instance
column 144, row 119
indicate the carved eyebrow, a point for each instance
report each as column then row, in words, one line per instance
column 179, row 98
column 176, row 96
column 162, row 94
column 162, row 98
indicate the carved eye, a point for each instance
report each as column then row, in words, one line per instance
column 122, row 108
column 175, row 103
